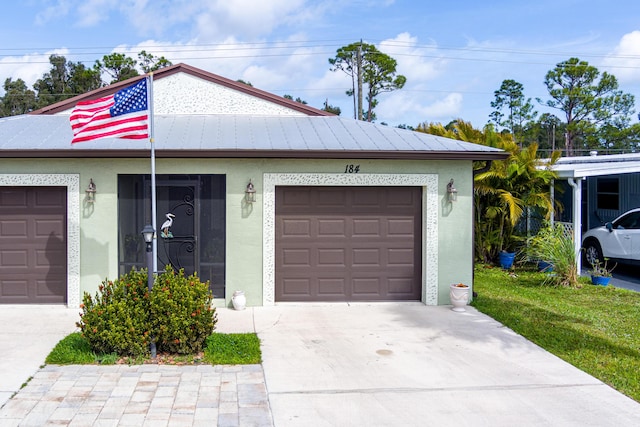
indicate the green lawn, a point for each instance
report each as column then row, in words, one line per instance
column 595, row 328
column 220, row 349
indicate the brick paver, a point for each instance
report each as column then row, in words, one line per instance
column 141, row 395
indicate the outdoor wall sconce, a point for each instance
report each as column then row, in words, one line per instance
column 452, row 193
column 91, row 191
column 250, row 193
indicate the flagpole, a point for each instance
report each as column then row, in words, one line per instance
column 154, row 214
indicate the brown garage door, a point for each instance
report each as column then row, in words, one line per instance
column 348, row 243
column 33, row 245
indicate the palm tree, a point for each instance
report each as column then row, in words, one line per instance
column 505, row 190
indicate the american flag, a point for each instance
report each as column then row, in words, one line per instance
column 121, row 115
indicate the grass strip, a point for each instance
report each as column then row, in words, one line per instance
column 232, row 349
column 595, row 328
column 221, row 349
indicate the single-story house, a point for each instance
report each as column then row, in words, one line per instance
column 344, row 210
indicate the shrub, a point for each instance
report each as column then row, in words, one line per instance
column 117, row 318
column 552, row 245
column 181, row 313
column 122, row 318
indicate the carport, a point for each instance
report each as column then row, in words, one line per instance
column 577, row 170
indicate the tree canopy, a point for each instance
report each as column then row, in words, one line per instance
column 67, row 79
column 18, row 99
column 510, row 97
column 595, row 110
column 64, row 80
column 596, row 114
column 366, row 65
column 503, row 191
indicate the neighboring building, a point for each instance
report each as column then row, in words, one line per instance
column 345, row 210
column 609, row 186
column 596, row 189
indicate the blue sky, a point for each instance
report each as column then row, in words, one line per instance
column 454, row 53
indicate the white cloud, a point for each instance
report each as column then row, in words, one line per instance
column 93, row 12
column 419, row 63
column 29, row 67
column 59, row 9
column 625, row 59
column 445, row 108
column 249, row 17
column 205, row 20
column 410, row 108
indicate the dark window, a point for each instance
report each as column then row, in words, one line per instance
column 608, row 193
column 196, row 241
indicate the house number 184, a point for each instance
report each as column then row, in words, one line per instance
column 352, row 169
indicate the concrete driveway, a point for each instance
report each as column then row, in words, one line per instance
column 411, row 365
column 374, row 365
column 28, row 333
column 626, row 276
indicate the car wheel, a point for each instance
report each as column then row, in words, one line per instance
column 593, row 253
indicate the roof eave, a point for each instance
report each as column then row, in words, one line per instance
column 267, row 154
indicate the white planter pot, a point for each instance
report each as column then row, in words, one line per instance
column 238, row 300
column 459, row 297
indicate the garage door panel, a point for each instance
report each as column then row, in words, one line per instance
column 12, row 198
column 400, row 227
column 14, row 229
column 297, row 287
column 367, row 198
column 399, row 286
column 360, row 248
column 296, row 258
column 402, row 198
column 366, row 227
column 14, row 289
column 369, row 287
column 49, row 288
column 296, row 228
column 45, row 198
column 332, row 257
column 331, row 227
column 51, row 259
column 33, row 249
column 296, row 197
column 327, row 199
column 331, row 286
column 12, row 259
column 48, row 228
column 400, row 257
column 366, row 257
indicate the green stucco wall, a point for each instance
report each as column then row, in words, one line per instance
column 244, row 269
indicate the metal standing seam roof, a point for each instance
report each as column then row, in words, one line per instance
column 599, row 165
column 239, row 136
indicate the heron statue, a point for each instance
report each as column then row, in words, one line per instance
column 166, row 232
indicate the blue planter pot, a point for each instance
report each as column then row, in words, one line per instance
column 599, row 280
column 506, row 259
column 545, row 267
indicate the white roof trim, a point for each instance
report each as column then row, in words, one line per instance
column 587, row 166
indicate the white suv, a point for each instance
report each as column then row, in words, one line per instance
column 618, row 240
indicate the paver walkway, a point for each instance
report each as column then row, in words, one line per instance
column 142, row 395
